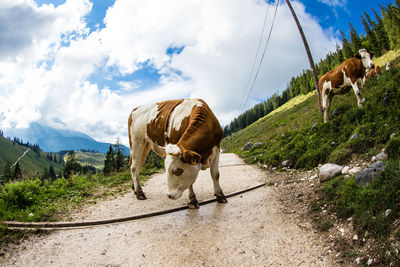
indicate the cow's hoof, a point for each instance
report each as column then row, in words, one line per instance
column 140, row 195
column 193, row 204
column 221, row 199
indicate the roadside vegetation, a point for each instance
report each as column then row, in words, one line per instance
column 296, row 132
column 34, row 199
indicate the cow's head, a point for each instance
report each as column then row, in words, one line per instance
column 365, row 58
column 182, row 168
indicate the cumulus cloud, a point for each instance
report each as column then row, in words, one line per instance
column 45, row 69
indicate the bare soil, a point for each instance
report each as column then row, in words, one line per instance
column 269, row 226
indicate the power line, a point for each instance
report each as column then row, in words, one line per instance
column 255, row 58
column 262, row 58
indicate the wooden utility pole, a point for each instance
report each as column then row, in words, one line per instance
column 310, row 59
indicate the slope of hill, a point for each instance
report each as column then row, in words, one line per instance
column 31, row 164
column 94, row 159
column 54, row 140
column 296, row 131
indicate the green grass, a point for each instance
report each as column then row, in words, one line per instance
column 287, row 133
column 38, row 200
column 94, row 159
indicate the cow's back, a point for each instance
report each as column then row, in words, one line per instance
column 188, row 123
column 203, row 131
column 352, row 68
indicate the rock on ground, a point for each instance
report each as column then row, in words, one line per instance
column 370, row 173
column 329, row 170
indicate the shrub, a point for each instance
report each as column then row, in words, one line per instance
column 393, row 148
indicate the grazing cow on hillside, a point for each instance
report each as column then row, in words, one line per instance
column 373, row 72
column 187, row 134
column 346, row 75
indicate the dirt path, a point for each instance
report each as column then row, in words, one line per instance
column 254, row 229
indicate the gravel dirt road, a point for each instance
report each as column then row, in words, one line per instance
column 253, row 229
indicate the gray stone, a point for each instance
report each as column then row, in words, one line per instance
column 354, row 170
column 287, row 163
column 370, row 173
column 387, row 212
column 355, row 136
column 258, row 145
column 247, row 146
column 381, row 156
column 345, row 170
column 329, row 171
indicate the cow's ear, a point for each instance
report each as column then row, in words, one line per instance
column 357, row 56
column 191, row 157
column 371, row 54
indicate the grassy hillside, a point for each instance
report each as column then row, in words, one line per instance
column 94, row 159
column 288, row 133
column 31, row 164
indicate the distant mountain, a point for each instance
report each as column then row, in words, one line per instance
column 54, row 140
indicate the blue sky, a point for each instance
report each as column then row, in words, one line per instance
column 83, row 65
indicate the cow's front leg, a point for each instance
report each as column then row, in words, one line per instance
column 357, row 92
column 215, row 177
column 193, row 203
column 326, row 103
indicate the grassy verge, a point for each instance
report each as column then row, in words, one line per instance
column 36, row 200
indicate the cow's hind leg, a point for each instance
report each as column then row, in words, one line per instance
column 138, row 156
column 215, row 177
column 193, row 203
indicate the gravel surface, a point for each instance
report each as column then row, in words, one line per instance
column 253, row 229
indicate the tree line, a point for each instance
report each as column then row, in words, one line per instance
column 382, row 34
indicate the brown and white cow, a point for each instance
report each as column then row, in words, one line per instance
column 371, row 73
column 187, row 134
column 343, row 77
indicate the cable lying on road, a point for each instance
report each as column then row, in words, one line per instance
column 54, row 225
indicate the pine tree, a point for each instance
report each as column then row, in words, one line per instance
column 109, row 161
column 371, row 23
column 355, row 39
column 339, row 54
column 391, row 23
column 119, row 160
column 17, row 172
column 52, row 173
column 371, row 37
column 71, row 165
column 347, row 52
column 381, row 33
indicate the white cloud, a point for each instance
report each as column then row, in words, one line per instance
column 45, row 73
column 334, row 3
